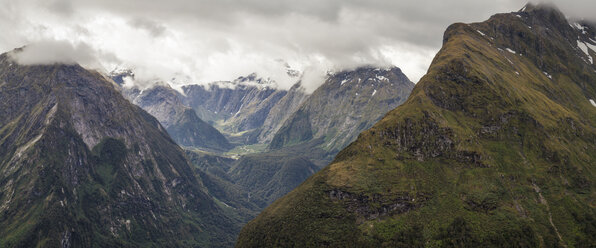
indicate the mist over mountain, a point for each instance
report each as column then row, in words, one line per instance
column 209, row 40
column 260, row 123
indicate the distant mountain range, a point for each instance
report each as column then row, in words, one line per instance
column 181, row 121
column 295, row 129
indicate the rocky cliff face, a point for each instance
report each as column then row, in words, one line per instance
column 81, row 166
column 181, row 122
column 279, row 113
column 493, row 148
column 345, row 105
column 248, row 110
column 237, row 106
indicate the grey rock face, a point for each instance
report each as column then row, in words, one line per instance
column 280, row 112
column 240, row 108
column 345, row 105
column 181, row 122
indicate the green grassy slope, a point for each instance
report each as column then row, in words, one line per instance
column 492, row 149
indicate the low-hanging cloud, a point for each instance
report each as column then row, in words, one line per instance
column 182, row 41
column 52, row 52
column 154, row 28
column 49, row 52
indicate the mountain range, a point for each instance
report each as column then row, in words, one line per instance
column 493, row 147
column 252, row 113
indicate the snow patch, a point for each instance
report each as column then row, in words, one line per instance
column 517, row 73
column 547, row 75
column 481, row 33
column 344, row 81
column 518, row 16
column 593, row 103
column 578, row 26
column 374, row 92
column 509, row 50
column 582, row 46
column 593, row 48
column 382, row 78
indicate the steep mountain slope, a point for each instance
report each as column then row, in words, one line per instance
column 82, row 167
column 269, row 176
column 234, row 107
column 326, row 121
column 494, row 148
column 345, row 105
column 279, row 113
column 213, row 170
column 181, row 122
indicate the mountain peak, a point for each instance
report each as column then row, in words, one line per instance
column 349, row 100
column 543, row 7
column 72, row 146
column 254, row 78
column 545, row 12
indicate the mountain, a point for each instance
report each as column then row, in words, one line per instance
column 280, row 112
column 213, row 170
column 493, row 148
column 80, row 166
column 348, row 103
column 326, row 121
column 235, row 107
column 181, row 121
column 268, row 176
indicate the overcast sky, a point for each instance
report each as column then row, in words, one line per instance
column 208, row 40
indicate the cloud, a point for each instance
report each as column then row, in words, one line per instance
column 182, row 41
column 53, row 51
column 154, row 28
